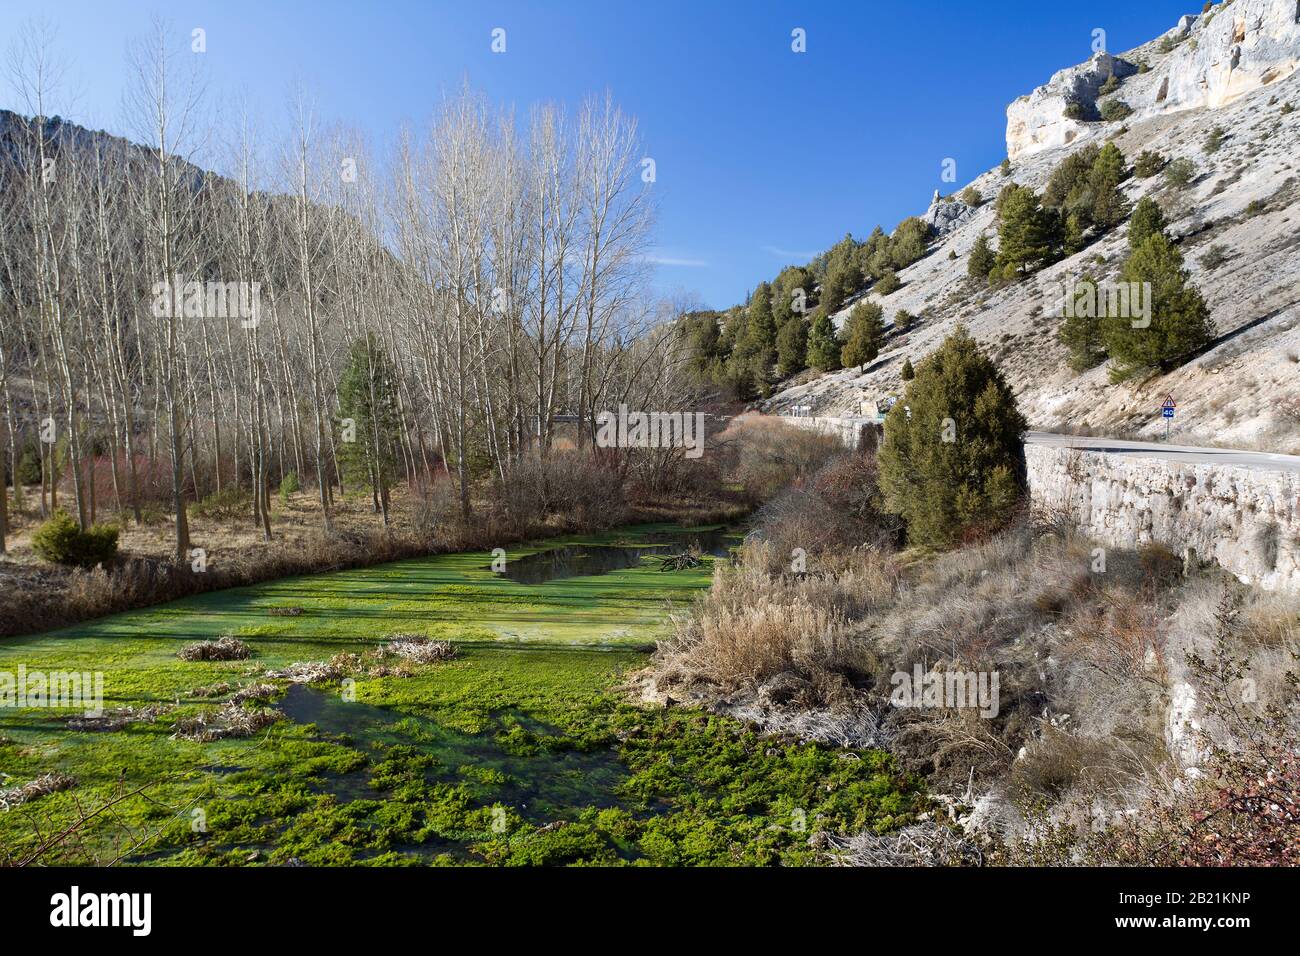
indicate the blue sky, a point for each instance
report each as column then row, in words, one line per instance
column 763, row 156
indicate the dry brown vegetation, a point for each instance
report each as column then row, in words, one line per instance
column 1088, row 660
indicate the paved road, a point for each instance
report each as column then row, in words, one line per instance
column 1188, row 454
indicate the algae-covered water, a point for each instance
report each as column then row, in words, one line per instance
column 520, row 750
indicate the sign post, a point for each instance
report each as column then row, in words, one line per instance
column 1167, row 412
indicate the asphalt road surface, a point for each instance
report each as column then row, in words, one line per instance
column 1187, row 454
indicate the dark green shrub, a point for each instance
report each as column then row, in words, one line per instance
column 1215, row 256
column 230, row 502
column 887, row 283
column 952, row 462
column 1148, row 219
column 982, row 259
column 29, row 467
column 864, row 333
column 1180, row 173
column 1114, row 110
column 61, row 540
column 289, row 485
column 1148, row 164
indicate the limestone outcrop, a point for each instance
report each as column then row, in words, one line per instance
column 1207, row 61
column 1058, row 113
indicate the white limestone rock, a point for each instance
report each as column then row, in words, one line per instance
column 1038, row 121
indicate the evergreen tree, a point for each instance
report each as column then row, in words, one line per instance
column 952, row 460
column 792, row 346
column 755, row 351
column 907, row 244
column 1179, row 323
column 704, row 339
column 1109, row 207
column 873, row 255
column 864, row 334
column 791, row 292
column 1147, row 220
column 823, row 343
column 1081, row 331
column 369, row 422
column 982, row 259
column 887, row 283
column 1026, row 231
column 907, row 372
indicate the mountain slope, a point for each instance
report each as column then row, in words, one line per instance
column 1234, row 70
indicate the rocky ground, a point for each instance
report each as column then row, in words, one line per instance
column 1244, row 391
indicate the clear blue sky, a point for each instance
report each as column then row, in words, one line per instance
column 763, row 156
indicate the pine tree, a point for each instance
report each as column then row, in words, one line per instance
column 1081, row 331
column 1025, row 230
column 755, row 352
column 1179, row 322
column 864, row 334
column 823, row 343
column 982, row 259
column 792, row 346
column 1147, row 219
column 368, row 419
column 952, row 460
column 1109, row 207
column 907, row 372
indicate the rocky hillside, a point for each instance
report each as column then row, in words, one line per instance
column 1233, row 68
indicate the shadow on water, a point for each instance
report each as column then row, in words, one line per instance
column 587, row 560
column 517, row 762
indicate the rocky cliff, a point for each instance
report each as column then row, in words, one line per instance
column 1205, row 61
column 1237, row 224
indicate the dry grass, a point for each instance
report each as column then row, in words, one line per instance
column 753, row 625
column 11, row 797
column 229, row 720
column 418, row 649
column 225, row 648
column 118, row 718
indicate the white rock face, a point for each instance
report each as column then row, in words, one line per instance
column 1237, row 48
column 1246, row 520
column 945, row 215
column 1038, row 121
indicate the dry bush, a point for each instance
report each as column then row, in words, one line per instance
column 752, row 625
column 1061, row 763
column 574, row 489
column 230, row 720
column 118, row 718
column 418, row 649
column 838, row 510
column 309, row 672
column 11, row 797
column 766, row 455
column 225, row 648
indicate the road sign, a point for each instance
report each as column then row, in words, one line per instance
column 1168, row 412
column 1169, row 403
